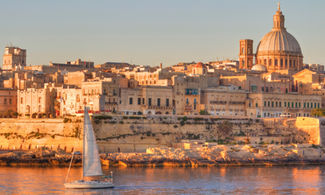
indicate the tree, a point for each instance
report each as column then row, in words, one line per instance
column 318, row 112
column 204, row 112
column 224, row 129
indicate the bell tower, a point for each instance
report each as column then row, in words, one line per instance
column 246, row 55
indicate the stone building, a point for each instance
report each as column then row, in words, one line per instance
column 101, row 96
column 224, row 101
column 149, row 100
column 8, row 102
column 160, row 77
column 186, row 92
column 76, row 78
column 34, row 102
column 258, row 83
column 14, row 58
column 68, row 101
column 273, row 105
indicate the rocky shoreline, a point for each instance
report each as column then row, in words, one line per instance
column 196, row 156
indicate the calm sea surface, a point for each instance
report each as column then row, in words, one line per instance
column 230, row 180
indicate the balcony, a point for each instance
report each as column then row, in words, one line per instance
column 158, row 107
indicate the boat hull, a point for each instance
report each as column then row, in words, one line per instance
column 88, row 185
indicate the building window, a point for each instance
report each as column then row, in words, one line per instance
column 272, row 104
column 149, row 102
column 143, row 101
column 167, row 102
column 268, row 104
column 10, row 101
column 264, row 103
column 286, row 63
column 158, row 101
column 276, row 104
column 5, row 101
column 187, row 102
column 262, row 88
column 256, row 105
column 21, row 100
column 280, row 104
column 39, row 100
column 194, row 103
column 314, row 105
column 276, row 62
column 139, row 101
column 130, row 101
column 285, row 104
column 281, row 63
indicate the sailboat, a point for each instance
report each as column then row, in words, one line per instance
column 92, row 174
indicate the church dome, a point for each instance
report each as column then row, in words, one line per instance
column 259, row 67
column 278, row 49
column 279, row 41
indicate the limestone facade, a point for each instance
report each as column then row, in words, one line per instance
column 224, row 101
column 147, row 100
column 34, row 102
column 8, row 100
column 14, row 58
column 274, row 105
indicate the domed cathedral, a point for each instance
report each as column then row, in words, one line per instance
column 277, row 51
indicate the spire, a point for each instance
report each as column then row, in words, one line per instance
column 279, row 7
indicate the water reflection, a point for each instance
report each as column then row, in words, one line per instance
column 240, row 180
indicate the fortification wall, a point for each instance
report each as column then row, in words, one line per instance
column 136, row 134
column 33, row 133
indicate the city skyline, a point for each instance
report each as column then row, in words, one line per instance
column 149, row 33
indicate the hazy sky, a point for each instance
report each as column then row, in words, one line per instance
column 152, row 31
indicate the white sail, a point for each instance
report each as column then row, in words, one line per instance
column 91, row 161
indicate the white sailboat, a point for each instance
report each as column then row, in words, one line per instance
column 92, row 175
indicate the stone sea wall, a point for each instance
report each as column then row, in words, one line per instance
column 136, row 134
column 28, row 134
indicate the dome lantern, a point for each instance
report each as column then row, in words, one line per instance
column 278, row 19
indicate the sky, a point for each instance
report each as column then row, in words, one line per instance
column 149, row 32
